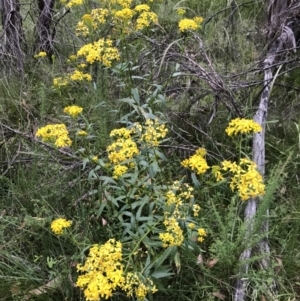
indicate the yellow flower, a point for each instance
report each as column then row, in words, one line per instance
column 196, row 162
column 202, row 234
column 246, row 179
column 74, row 3
column 41, row 54
column 180, row 11
column 58, row 225
column 100, row 51
column 55, row 133
column 60, row 81
column 142, row 7
column 122, row 150
column 125, row 14
column 82, row 30
column 196, row 209
column 82, row 66
column 63, row 141
column 188, row 24
column 121, row 133
column 198, row 20
column 73, row 111
column 103, row 273
column 216, row 171
column 191, row 225
column 145, row 19
column 95, row 159
column 243, row 126
column 82, row 133
column 119, row 171
column 154, row 132
column 72, row 57
column 174, row 234
column 79, row 76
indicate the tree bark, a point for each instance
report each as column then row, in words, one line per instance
column 45, row 37
column 12, row 37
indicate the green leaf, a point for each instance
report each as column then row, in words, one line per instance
column 161, row 272
column 136, row 96
column 195, row 180
column 154, row 169
column 127, row 100
column 107, row 180
column 84, row 162
column 160, row 260
column 177, row 262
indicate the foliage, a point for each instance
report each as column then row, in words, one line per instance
column 118, row 179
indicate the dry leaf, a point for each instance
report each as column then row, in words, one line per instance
column 199, row 259
column 279, row 265
column 211, row 263
column 43, row 289
column 219, row 295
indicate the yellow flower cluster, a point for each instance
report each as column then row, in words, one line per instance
column 58, row 225
column 73, row 111
column 123, row 149
column 97, row 17
column 153, row 132
column 75, row 76
column 41, row 54
column 99, row 51
column 180, row 11
column 177, row 196
column 174, row 235
column 74, row 3
column 145, row 19
column 103, row 273
column 121, row 133
column 142, row 7
column 119, row 171
column 190, row 24
column 196, row 209
column 60, row 81
column 246, row 179
column 135, row 286
column 82, row 133
column 191, row 225
column 55, row 133
column 127, row 18
column 202, row 234
column 122, row 3
column 80, row 76
column 196, row 162
column 216, row 171
column 243, row 126
column 124, row 14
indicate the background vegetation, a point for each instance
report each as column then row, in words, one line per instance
column 192, row 81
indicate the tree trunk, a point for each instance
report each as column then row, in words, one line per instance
column 45, row 37
column 12, row 38
column 281, row 20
